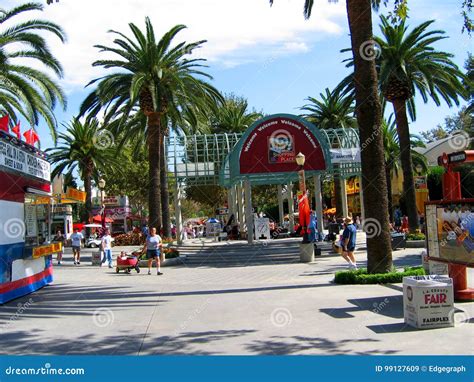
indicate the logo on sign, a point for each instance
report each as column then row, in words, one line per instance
column 281, row 147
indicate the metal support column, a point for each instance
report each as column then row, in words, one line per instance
column 291, row 210
column 280, row 204
column 179, row 219
column 248, row 211
column 345, row 210
column 318, row 198
column 240, row 209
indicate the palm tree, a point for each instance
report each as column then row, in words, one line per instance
column 233, row 116
column 391, row 145
column 162, row 82
column 406, row 63
column 24, row 90
column 332, row 111
column 369, row 119
column 86, row 147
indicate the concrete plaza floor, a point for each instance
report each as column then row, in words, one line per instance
column 259, row 309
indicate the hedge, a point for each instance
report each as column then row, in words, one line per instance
column 361, row 276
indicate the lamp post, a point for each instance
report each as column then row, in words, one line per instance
column 300, row 159
column 101, row 188
column 419, row 169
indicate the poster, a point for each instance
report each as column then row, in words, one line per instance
column 262, row 228
column 281, row 147
column 450, row 229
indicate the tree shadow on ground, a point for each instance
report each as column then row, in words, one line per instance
column 62, row 300
column 389, row 306
column 279, row 345
column 122, row 343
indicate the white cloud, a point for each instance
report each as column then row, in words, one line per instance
column 237, row 32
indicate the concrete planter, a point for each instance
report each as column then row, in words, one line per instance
column 167, row 263
column 306, row 252
column 415, row 244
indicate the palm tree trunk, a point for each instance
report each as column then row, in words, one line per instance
column 403, row 131
column 369, row 118
column 154, row 198
column 165, row 205
column 388, row 177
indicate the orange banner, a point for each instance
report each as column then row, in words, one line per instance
column 72, row 193
column 46, row 250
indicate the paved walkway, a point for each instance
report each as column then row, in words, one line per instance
column 256, row 309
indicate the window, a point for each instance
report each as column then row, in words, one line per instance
column 36, row 220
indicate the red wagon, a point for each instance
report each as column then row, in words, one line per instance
column 127, row 263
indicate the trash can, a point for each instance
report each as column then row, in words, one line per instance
column 96, row 257
column 428, row 301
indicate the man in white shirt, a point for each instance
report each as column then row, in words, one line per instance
column 76, row 239
column 107, row 248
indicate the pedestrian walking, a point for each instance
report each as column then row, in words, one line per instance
column 357, row 222
column 59, row 238
column 76, row 242
column 312, row 227
column 153, row 248
column 106, row 243
column 348, row 242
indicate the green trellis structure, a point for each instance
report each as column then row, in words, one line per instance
column 211, row 159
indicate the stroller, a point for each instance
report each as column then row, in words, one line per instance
column 128, row 262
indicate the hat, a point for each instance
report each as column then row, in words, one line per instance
column 348, row 220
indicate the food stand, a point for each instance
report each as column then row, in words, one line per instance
column 25, row 233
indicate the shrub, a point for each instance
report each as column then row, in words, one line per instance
column 131, row 238
column 361, row 276
column 170, row 253
column 416, row 236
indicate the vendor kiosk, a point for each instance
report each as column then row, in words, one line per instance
column 450, row 226
column 25, row 224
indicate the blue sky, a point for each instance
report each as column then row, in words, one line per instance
column 270, row 55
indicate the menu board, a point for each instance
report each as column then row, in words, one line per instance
column 31, row 220
column 450, row 231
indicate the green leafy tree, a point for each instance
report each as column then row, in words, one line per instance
column 84, row 147
column 25, row 90
column 129, row 179
column 391, row 145
column 232, row 116
column 159, row 79
column 332, row 111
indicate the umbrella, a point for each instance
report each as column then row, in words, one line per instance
column 98, row 218
column 92, row 225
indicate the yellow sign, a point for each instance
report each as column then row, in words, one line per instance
column 74, row 194
column 46, row 250
column 352, row 187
